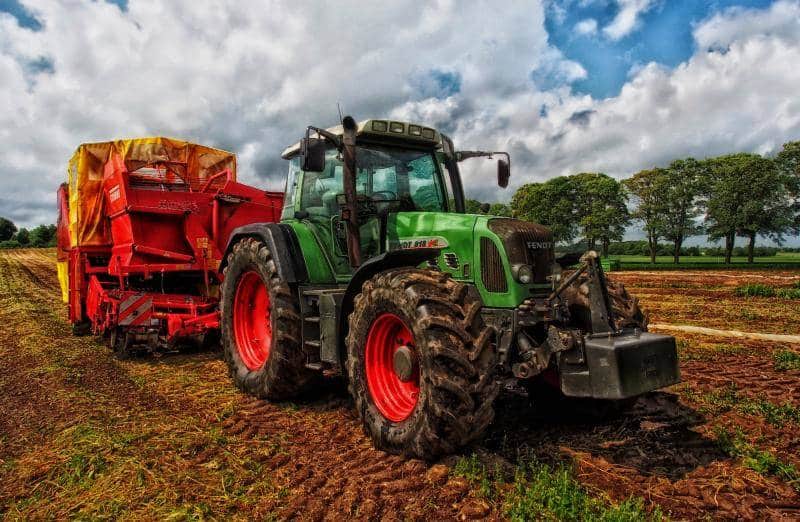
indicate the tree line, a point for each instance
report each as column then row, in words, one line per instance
column 736, row 195
column 40, row 236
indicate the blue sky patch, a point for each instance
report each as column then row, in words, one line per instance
column 436, row 83
column 26, row 19
column 663, row 35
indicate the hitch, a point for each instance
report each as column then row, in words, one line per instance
column 602, row 315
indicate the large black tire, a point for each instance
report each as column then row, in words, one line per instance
column 283, row 374
column 455, row 356
column 625, row 307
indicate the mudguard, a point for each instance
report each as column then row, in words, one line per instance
column 380, row 263
column 282, row 243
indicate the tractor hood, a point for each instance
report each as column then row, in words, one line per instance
column 480, row 249
column 452, row 232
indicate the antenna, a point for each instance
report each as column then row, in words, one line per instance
column 339, row 107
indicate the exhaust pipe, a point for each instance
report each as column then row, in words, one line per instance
column 350, row 213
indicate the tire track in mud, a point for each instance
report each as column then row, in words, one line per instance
column 325, row 468
column 331, row 469
column 39, row 362
column 755, row 377
column 660, row 449
column 317, row 453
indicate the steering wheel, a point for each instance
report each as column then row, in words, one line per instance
column 384, row 195
column 366, row 207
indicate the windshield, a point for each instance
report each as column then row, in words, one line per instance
column 411, row 179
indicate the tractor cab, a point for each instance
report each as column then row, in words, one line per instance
column 398, row 168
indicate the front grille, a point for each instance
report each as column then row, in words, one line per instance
column 526, row 244
column 492, row 273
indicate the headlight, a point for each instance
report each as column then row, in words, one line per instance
column 522, row 273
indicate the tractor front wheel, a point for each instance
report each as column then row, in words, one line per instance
column 420, row 363
column 260, row 324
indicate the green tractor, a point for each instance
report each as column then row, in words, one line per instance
column 376, row 273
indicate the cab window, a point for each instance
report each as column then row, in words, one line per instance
column 409, row 178
column 289, row 190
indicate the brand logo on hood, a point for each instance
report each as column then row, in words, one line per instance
column 539, row 245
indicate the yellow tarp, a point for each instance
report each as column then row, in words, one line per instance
column 63, row 279
column 195, row 164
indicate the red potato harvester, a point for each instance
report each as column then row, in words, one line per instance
column 142, row 229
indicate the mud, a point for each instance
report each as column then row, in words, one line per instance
column 176, row 440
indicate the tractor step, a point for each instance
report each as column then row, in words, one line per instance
column 318, row 310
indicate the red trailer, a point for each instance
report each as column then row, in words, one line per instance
column 142, row 229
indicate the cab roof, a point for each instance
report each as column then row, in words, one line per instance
column 382, row 129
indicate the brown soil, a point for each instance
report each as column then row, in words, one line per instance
column 706, row 298
column 84, row 435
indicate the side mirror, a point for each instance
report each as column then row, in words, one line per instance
column 484, row 208
column 312, row 151
column 503, row 173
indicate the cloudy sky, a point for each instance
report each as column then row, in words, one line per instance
column 565, row 85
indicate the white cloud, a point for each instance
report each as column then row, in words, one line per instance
column 251, row 80
column 236, row 75
column 586, row 27
column 781, row 20
column 740, row 99
column 627, row 18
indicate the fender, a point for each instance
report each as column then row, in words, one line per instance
column 282, row 243
column 380, row 263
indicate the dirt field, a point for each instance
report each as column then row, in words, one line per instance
column 83, row 435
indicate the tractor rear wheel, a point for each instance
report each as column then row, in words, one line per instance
column 420, row 363
column 260, row 324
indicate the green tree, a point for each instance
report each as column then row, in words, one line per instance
column 769, row 209
column 7, row 229
column 43, row 235
column 500, row 209
column 725, row 188
column 788, row 164
column 601, row 208
column 23, row 236
column 551, row 203
column 472, row 206
column 682, row 189
column 647, row 189
column 746, row 196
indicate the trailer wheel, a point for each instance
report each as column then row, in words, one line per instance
column 420, row 363
column 120, row 342
column 81, row 329
column 260, row 324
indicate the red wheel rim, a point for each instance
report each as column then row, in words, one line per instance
column 251, row 327
column 394, row 398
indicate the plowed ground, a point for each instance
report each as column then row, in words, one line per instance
column 83, row 435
